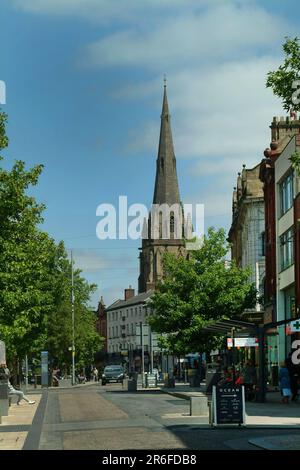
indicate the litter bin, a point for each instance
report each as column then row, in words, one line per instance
column 194, row 377
column 132, row 385
column 169, row 382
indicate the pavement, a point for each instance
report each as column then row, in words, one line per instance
column 272, row 413
column 66, row 417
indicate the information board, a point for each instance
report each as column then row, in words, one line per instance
column 228, row 404
column 44, row 368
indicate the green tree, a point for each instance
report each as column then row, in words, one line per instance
column 283, row 80
column 35, row 276
column 285, row 83
column 59, row 322
column 197, row 291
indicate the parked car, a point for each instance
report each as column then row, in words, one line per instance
column 113, row 373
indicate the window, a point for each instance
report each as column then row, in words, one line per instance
column 132, row 328
column 287, row 249
column 286, row 191
column 263, row 244
column 135, row 310
column 116, row 331
column 160, row 224
column 113, row 331
column 172, row 225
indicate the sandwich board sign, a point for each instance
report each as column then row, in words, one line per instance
column 229, row 405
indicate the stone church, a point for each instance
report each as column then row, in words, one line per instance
column 165, row 228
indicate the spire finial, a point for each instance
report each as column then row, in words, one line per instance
column 165, row 80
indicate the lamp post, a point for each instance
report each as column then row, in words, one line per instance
column 73, row 321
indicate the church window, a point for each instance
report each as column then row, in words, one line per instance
column 160, row 225
column 172, row 223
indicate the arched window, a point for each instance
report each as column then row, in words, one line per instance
column 172, row 222
column 160, row 224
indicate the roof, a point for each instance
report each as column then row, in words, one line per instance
column 137, row 299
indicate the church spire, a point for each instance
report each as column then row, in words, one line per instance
column 166, row 184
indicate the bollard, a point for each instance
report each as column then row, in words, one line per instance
column 198, row 406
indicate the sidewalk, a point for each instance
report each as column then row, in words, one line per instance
column 15, row 427
column 272, row 413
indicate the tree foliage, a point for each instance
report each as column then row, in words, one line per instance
column 283, row 80
column 197, row 291
column 35, row 276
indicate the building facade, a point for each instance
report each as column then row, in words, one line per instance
column 247, row 232
column 124, row 320
column 282, row 209
column 101, row 323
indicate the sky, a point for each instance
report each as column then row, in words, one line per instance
column 84, row 83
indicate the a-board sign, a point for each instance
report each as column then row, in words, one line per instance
column 228, row 404
column 151, row 380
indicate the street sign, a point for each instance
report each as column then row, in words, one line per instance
column 242, row 342
column 228, row 404
column 151, row 380
column 294, row 326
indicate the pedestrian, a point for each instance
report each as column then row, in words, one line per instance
column 285, row 383
column 294, row 372
column 250, row 379
column 95, row 374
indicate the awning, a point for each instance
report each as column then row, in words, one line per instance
column 226, row 326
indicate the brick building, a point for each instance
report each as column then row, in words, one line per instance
column 282, row 234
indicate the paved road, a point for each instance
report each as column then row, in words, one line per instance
column 107, row 418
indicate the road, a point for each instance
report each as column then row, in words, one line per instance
column 106, row 418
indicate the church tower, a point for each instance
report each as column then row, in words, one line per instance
column 164, row 230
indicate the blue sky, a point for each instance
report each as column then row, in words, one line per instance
column 84, row 91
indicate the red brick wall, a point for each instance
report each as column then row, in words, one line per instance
column 297, row 251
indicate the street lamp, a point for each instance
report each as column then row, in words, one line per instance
column 73, row 321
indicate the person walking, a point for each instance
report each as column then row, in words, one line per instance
column 95, row 374
column 285, row 383
column 250, row 379
column 294, row 372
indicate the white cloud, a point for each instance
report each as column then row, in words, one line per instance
column 90, row 261
column 221, row 32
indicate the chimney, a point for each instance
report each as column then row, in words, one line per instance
column 128, row 293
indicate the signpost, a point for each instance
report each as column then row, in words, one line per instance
column 2, row 353
column 44, row 369
column 228, row 405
